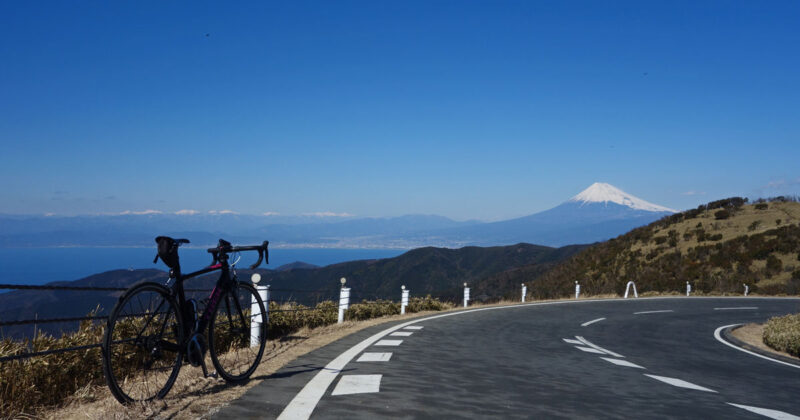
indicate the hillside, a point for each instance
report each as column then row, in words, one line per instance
column 717, row 247
column 436, row 271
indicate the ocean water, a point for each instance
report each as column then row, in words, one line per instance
column 37, row 266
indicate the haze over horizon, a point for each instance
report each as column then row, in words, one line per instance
column 469, row 110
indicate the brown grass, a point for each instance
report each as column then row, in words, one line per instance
column 753, row 334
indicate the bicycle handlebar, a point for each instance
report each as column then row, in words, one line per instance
column 225, row 248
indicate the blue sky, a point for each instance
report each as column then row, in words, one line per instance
column 468, row 109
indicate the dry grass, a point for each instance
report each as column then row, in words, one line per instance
column 738, row 225
column 782, row 333
column 753, row 334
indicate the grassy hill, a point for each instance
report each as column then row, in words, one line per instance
column 717, row 247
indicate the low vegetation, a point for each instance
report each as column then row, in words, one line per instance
column 783, row 334
column 30, row 385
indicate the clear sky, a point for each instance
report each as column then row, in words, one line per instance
column 467, row 109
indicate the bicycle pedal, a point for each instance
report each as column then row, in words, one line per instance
column 213, row 374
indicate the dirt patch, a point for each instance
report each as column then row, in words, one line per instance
column 753, row 334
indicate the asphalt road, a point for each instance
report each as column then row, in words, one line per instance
column 517, row 362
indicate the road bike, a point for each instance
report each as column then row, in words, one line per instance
column 153, row 329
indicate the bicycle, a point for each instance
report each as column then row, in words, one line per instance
column 153, row 328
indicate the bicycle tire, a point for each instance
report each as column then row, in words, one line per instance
column 141, row 347
column 230, row 338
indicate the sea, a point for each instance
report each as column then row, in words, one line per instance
column 36, row 266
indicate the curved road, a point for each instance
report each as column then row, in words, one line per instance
column 584, row 359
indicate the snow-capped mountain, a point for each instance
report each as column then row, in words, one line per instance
column 600, row 192
column 599, row 212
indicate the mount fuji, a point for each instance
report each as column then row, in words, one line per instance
column 598, row 213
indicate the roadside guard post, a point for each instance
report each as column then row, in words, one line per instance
column 403, row 300
column 256, row 327
column 746, row 289
column 524, row 292
column 466, row 294
column 628, row 288
column 688, row 288
column 577, row 290
column 344, row 300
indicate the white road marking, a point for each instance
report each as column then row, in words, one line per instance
column 718, row 336
column 589, row 350
column 357, row 384
column 680, row 383
column 619, row 362
column 375, row 357
column 766, row 412
column 304, row 403
column 414, row 327
column 401, row 333
column 609, row 352
column 653, row 312
column 737, row 308
column 389, row 343
column 592, row 322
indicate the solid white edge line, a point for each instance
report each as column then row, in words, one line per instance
column 306, row 400
column 766, row 412
column 592, row 322
column 653, row 312
column 609, row 352
column 718, row 336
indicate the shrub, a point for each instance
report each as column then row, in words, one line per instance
column 660, row 239
column 716, row 237
column 374, row 309
column 783, row 334
column 722, row 214
column 774, row 265
column 778, row 222
column 762, row 206
column 753, row 226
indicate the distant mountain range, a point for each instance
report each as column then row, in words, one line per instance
column 598, row 213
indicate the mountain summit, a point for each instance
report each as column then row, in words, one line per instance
column 600, row 192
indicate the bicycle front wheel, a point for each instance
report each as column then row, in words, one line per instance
column 141, row 350
column 238, row 332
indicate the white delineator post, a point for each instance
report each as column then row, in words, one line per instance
column 403, row 300
column 524, row 292
column 577, row 290
column 255, row 311
column 466, row 294
column 628, row 287
column 688, row 288
column 344, row 300
column 746, row 289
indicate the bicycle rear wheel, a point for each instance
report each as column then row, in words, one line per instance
column 141, row 350
column 238, row 333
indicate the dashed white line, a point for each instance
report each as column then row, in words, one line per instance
column 737, row 308
column 388, row 342
column 592, row 322
column 571, row 341
column 718, row 336
column 619, row 362
column 413, row 327
column 357, row 384
column 680, row 383
column 766, row 412
column 375, row 357
column 401, row 333
column 653, row 312
column 609, row 352
column 589, row 350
